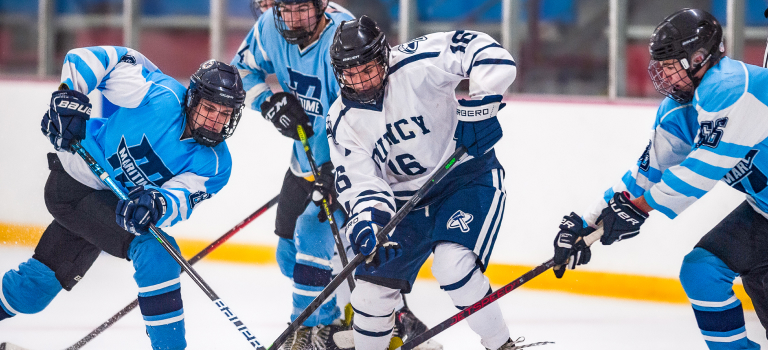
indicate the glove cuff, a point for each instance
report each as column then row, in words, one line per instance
column 478, row 110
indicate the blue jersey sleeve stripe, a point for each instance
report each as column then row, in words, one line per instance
column 84, row 70
column 491, row 61
column 655, row 205
column 632, row 185
column 680, row 186
column 608, row 195
column 372, row 192
column 704, row 169
column 101, row 54
column 653, row 174
column 730, row 150
column 374, row 199
column 412, row 59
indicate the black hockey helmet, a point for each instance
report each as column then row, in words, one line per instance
column 219, row 83
column 355, row 44
column 295, row 19
column 692, row 37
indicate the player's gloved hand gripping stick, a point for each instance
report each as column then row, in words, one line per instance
column 326, row 206
column 381, row 236
column 490, row 298
column 99, row 171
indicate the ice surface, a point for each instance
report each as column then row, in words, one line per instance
column 261, row 297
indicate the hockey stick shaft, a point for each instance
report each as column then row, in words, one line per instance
column 326, row 206
column 202, row 254
column 496, row 295
column 381, row 237
column 159, row 235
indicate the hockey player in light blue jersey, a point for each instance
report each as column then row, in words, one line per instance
column 164, row 144
column 291, row 40
column 712, row 127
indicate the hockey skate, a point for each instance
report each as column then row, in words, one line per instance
column 319, row 337
column 513, row 344
column 407, row 326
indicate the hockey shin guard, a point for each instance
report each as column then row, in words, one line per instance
column 374, row 319
column 455, row 268
column 708, row 282
column 27, row 290
column 157, row 276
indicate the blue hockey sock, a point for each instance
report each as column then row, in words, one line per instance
column 157, row 276
column 708, row 282
column 27, row 290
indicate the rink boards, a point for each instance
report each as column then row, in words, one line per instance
column 559, row 156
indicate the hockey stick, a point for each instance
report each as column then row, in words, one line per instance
column 594, row 236
column 381, row 237
column 203, row 253
column 159, row 235
column 326, row 206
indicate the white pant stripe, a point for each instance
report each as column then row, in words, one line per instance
column 159, row 286
column 488, row 218
column 726, row 339
column 730, row 300
column 165, row 321
column 312, row 259
column 5, row 302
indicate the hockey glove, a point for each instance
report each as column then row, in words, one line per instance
column 144, row 207
column 364, row 226
column 478, row 129
column 324, row 187
column 285, row 112
column 567, row 249
column 621, row 219
column 65, row 120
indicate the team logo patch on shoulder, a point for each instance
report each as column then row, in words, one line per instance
column 644, row 163
column 128, row 59
column 411, row 46
column 460, row 220
column 197, row 197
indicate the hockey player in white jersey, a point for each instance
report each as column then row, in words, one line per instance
column 397, row 119
column 164, row 143
column 291, row 39
column 711, row 127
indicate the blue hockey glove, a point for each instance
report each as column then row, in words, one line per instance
column 621, row 219
column 567, row 249
column 144, row 207
column 65, row 120
column 478, row 128
column 364, row 226
column 285, row 112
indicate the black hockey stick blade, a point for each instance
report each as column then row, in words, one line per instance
column 413, row 343
column 381, row 236
column 200, row 255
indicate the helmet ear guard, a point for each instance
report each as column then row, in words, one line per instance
column 219, row 83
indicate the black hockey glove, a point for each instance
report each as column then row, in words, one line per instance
column 362, row 236
column 324, row 187
column 567, row 249
column 65, row 120
column 144, row 207
column 621, row 219
column 478, row 128
column 285, row 112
